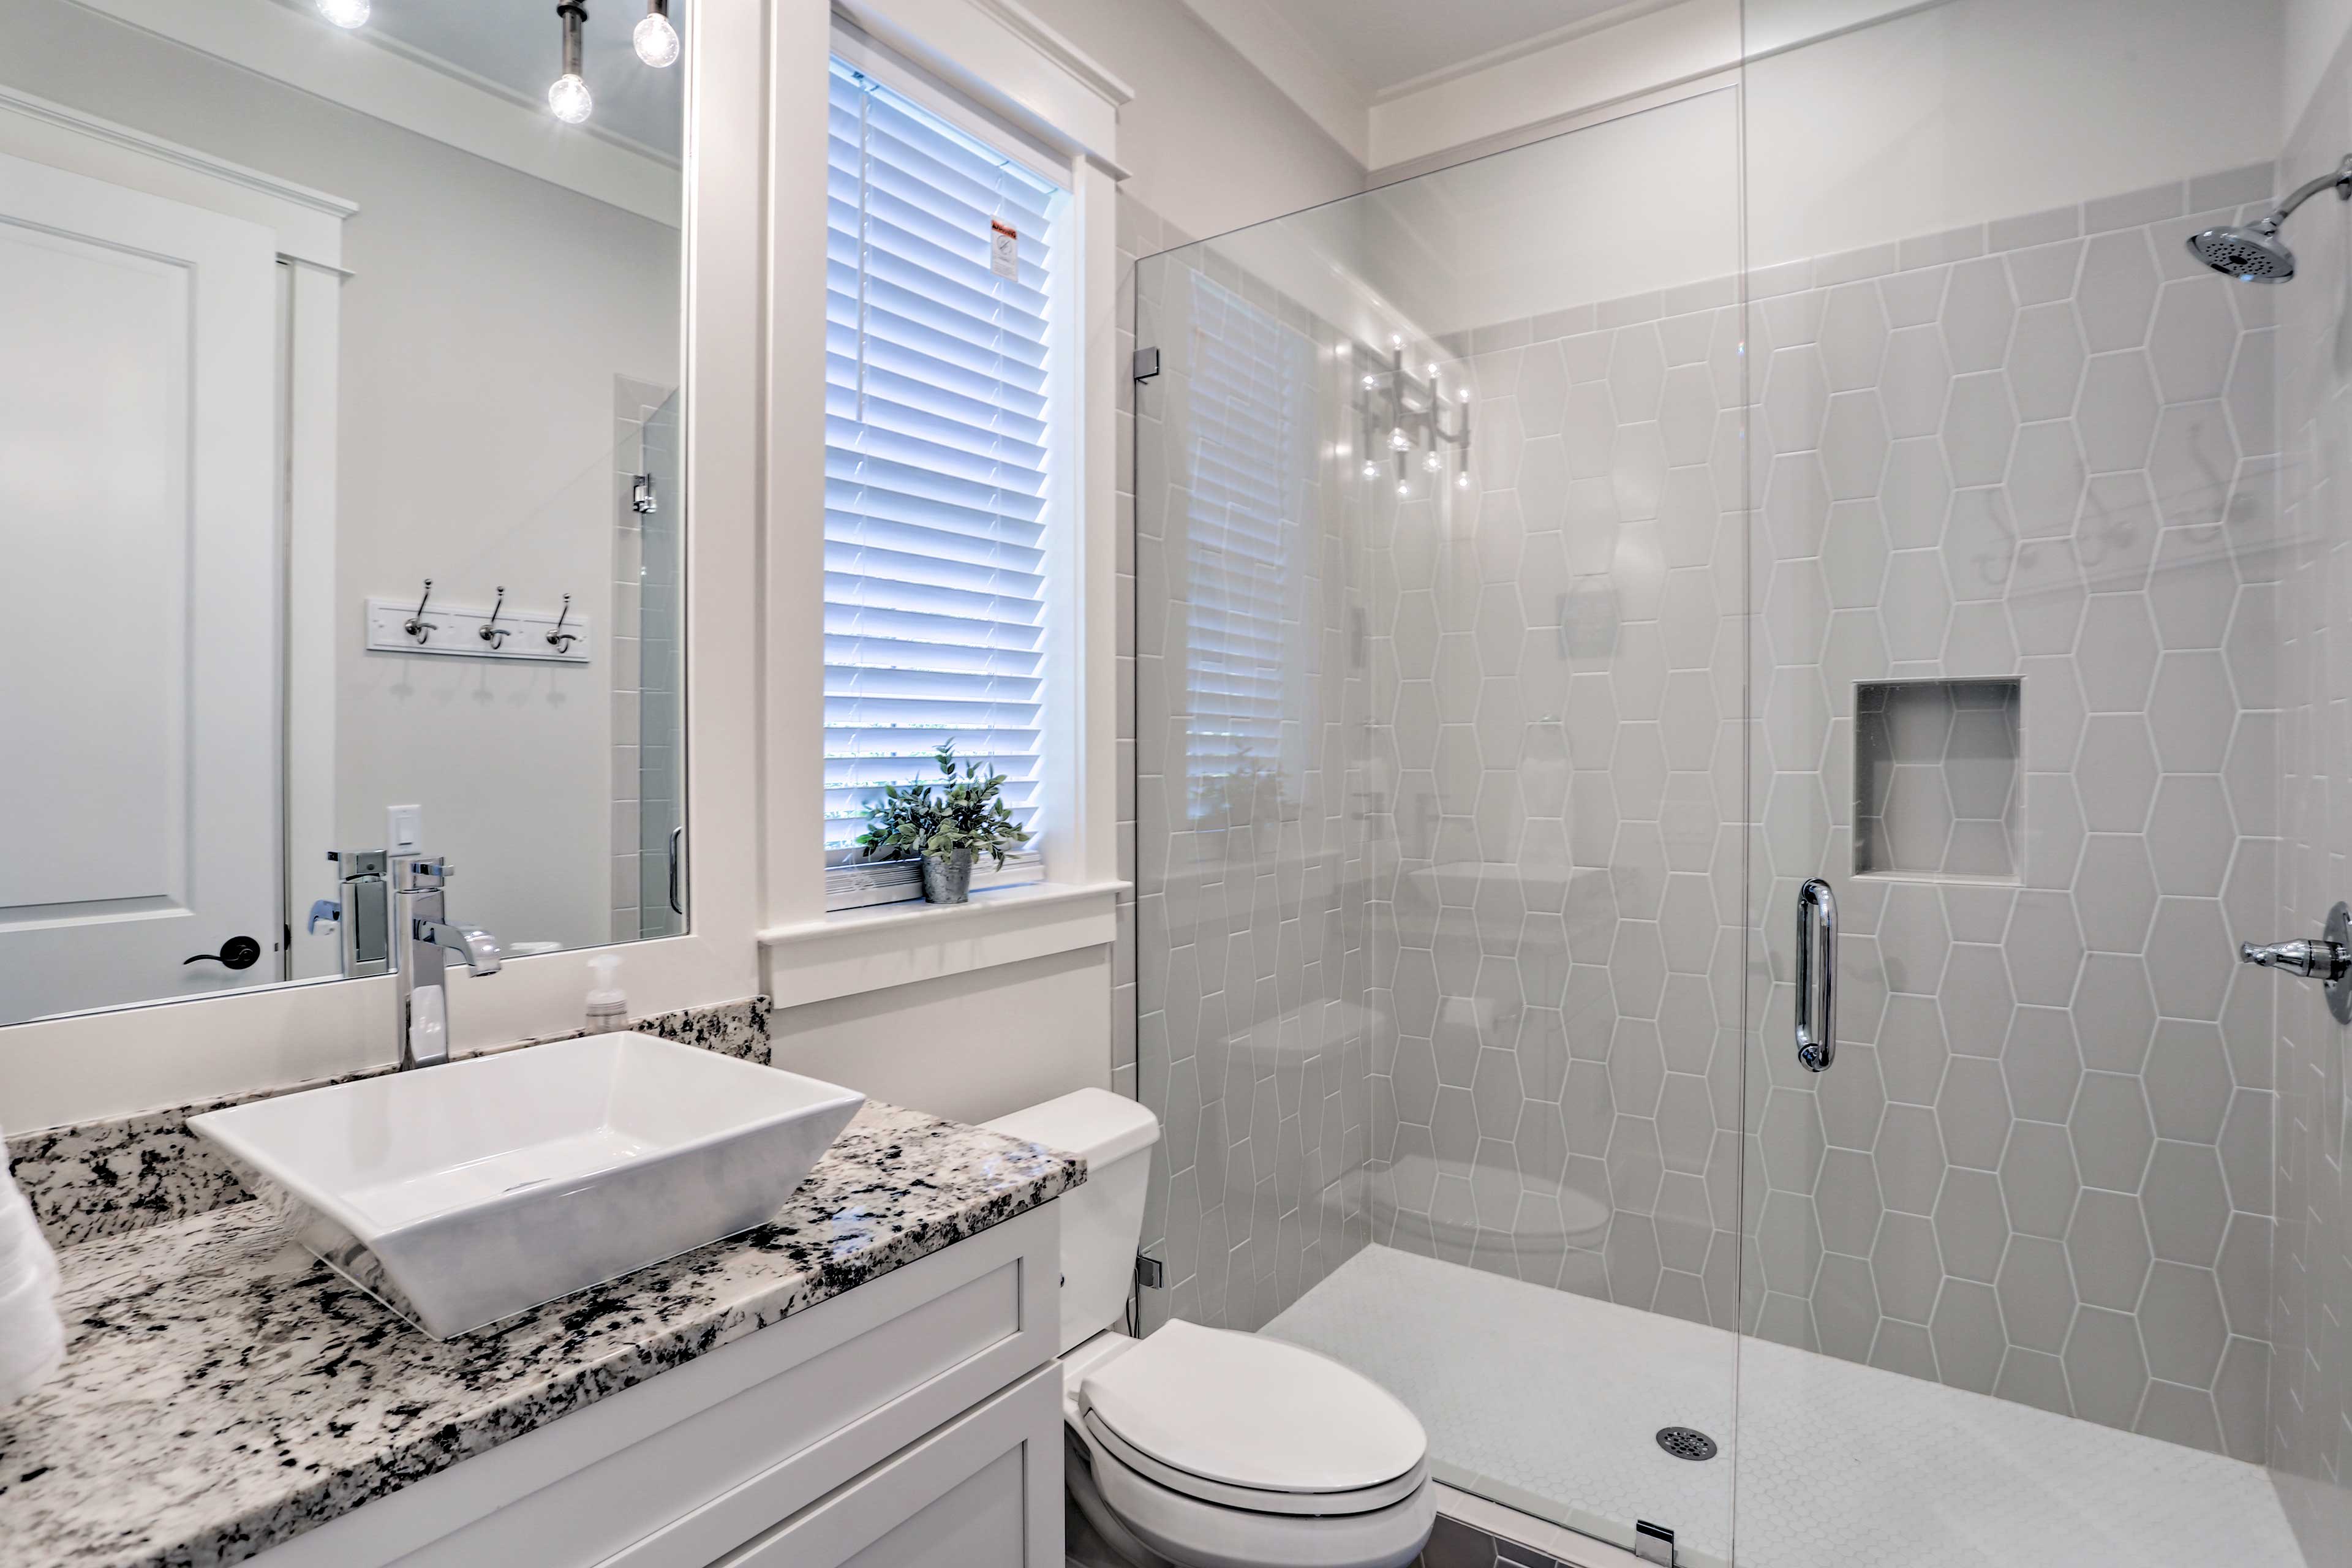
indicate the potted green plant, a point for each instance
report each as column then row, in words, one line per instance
column 945, row 824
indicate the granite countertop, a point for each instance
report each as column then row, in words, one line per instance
column 224, row 1390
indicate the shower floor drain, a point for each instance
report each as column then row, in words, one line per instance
column 1686, row 1443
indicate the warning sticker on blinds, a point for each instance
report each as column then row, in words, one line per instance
column 1003, row 249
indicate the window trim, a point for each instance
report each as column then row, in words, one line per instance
column 1062, row 497
column 1001, row 74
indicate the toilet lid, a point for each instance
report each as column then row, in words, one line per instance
column 1254, row 1413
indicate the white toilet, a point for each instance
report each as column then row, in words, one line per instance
column 1204, row 1447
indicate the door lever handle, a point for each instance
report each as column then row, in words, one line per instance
column 236, row 952
column 1816, row 975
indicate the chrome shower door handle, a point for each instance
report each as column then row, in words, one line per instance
column 1816, row 975
column 677, row 857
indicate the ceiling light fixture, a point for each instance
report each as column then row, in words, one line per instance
column 655, row 39
column 344, row 12
column 568, row 97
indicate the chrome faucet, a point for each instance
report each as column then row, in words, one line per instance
column 424, row 939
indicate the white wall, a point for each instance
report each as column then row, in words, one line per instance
column 1991, row 108
column 485, row 318
column 969, row 1047
column 1949, row 115
column 2313, row 31
column 1209, row 142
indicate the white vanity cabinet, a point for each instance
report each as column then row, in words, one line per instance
column 911, row 1422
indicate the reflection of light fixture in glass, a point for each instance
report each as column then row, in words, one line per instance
column 344, row 12
column 568, row 96
column 655, row 39
column 1424, row 428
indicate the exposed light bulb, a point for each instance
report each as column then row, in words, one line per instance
column 569, row 99
column 1397, row 442
column 1432, row 462
column 1371, row 470
column 655, row 39
column 1432, row 371
column 568, row 94
column 1403, row 489
column 344, row 12
column 1461, row 481
column 1370, row 382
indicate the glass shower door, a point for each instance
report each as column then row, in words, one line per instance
column 1439, row 665
column 2024, row 606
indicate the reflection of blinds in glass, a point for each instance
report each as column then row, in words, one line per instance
column 936, row 401
column 1252, row 408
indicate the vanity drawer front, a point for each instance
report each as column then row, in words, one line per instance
column 682, row 1469
column 985, row 1492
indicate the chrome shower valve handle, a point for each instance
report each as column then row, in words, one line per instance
column 2326, row 958
column 2312, row 960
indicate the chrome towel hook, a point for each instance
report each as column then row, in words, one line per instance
column 559, row 639
column 490, row 632
column 416, row 626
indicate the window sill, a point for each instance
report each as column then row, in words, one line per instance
column 883, row 945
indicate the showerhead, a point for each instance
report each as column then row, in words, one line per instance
column 2253, row 253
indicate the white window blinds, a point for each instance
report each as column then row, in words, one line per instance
column 1252, row 413
column 936, row 453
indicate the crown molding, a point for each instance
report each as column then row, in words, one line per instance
column 1025, row 25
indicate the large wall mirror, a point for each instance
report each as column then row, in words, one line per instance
column 307, row 304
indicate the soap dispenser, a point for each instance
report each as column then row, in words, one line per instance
column 608, row 1009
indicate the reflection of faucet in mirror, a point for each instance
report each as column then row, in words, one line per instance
column 423, row 935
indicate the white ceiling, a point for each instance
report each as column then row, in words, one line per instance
column 517, row 46
column 1380, row 44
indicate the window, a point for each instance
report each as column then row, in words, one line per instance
column 936, row 408
column 1248, row 663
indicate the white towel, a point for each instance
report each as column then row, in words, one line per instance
column 32, row 1338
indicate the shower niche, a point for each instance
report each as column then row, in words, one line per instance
column 1937, row 788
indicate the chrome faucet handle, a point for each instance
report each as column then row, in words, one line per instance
column 477, row 947
column 2326, row 958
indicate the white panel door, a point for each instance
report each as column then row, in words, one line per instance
column 139, row 706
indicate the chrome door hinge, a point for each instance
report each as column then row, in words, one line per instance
column 1146, row 364
column 1653, row 1544
column 1149, row 1272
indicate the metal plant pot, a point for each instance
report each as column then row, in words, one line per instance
column 947, row 879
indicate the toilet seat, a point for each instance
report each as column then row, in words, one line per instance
column 1242, row 1421
column 1365, row 1499
column 1192, row 1533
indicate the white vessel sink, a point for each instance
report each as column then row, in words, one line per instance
column 461, row 1195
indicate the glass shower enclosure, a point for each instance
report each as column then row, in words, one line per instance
column 1546, row 567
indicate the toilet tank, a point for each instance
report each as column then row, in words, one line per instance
column 1102, row 1220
